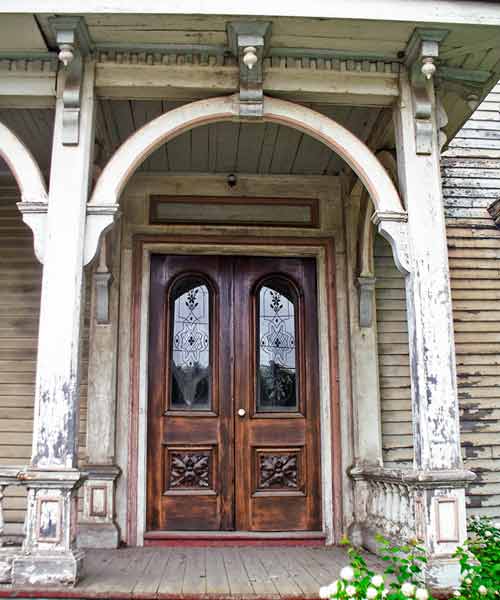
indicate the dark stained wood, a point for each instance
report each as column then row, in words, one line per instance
column 140, row 241
column 184, row 434
column 232, row 498
column 260, row 435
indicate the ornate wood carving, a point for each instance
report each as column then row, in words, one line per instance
column 248, row 42
column 74, row 44
column 422, row 52
column 189, row 470
column 278, row 471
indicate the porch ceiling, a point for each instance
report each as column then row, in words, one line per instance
column 469, row 61
column 265, row 148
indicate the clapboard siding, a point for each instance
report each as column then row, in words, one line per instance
column 394, row 366
column 20, row 285
column 471, row 182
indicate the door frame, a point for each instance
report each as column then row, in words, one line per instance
column 320, row 248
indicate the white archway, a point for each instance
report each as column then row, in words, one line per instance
column 389, row 211
column 171, row 124
column 23, row 166
column 27, row 173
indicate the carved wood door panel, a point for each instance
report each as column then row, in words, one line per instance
column 233, row 426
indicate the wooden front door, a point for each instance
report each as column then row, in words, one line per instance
column 233, row 416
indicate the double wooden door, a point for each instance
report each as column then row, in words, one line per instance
column 233, row 415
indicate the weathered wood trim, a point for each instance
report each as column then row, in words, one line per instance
column 138, row 75
column 28, row 82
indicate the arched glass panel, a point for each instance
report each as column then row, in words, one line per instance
column 276, row 352
column 190, row 361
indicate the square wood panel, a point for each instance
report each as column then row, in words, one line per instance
column 189, row 470
column 278, row 471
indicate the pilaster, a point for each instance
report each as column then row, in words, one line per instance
column 97, row 528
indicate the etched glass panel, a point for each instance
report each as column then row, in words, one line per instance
column 276, row 373
column 190, row 362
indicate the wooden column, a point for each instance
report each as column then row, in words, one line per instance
column 49, row 554
column 440, row 501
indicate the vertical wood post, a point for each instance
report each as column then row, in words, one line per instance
column 440, row 503
column 49, row 554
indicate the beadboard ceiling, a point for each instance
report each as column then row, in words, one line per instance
column 265, row 148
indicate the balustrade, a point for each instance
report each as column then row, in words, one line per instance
column 9, row 545
column 386, row 502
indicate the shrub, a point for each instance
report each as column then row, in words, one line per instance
column 402, row 579
column 480, row 562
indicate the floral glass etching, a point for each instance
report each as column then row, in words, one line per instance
column 190, row 358
column 276, row 374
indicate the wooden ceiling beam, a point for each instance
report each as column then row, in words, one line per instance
column 171, row 82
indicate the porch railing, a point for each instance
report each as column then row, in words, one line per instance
column 9, row 476
column 391, row 501
column 385, row 503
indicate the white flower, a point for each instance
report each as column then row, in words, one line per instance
column 488, row 533
column 421, row 594
column 327, row 591
column 347, row 574
column 408, row 589
column 468, row 580
column 377, row 580
column 384, row 593
column 482, row 590
column 350, row 591
column 371, row 593
column 456, row 593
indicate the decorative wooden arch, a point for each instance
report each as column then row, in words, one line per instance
column 29, row 178
column 173, row 123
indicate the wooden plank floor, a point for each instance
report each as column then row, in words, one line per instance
column 214, row 572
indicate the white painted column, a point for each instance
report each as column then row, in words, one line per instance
column 53, row 477
column 440, row 496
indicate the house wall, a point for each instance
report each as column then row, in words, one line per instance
column 20, row 288
column 471, row 181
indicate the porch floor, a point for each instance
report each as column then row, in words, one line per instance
column 212, row 572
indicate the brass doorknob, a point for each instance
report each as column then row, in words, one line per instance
column 242, row 412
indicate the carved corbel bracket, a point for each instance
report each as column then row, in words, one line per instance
column 366, row 289
column 100, row 218
column 393, row 226
column 74, row 44
column 421, row 56
column 35, row 217
column 248, row 42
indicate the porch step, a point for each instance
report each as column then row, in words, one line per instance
column 234, row 538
